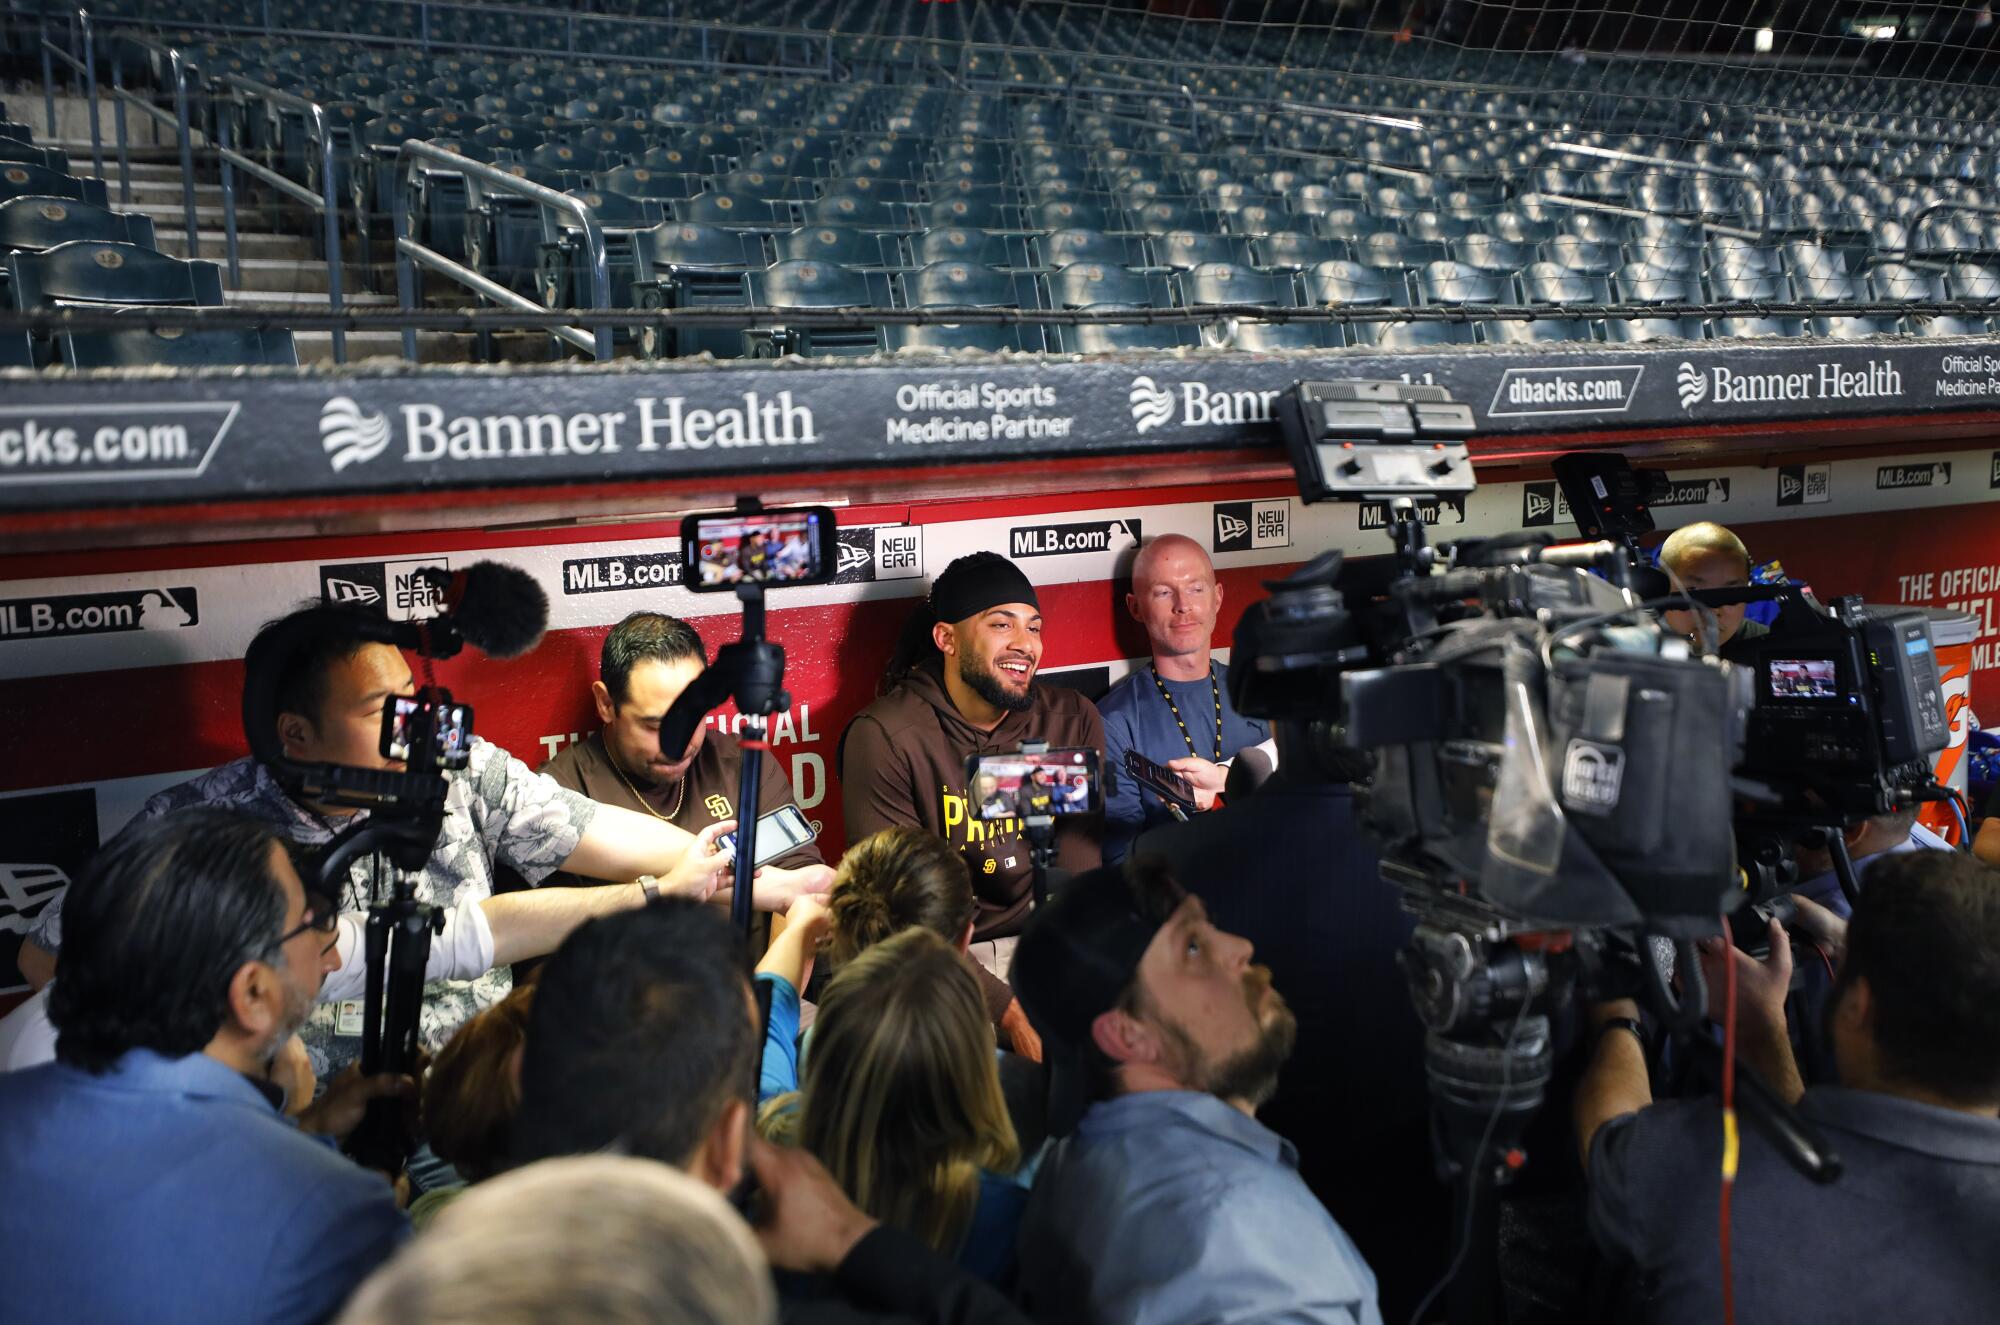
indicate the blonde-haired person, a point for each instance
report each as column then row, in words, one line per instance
column 901, row 1101
column 1706, row 555
column 905, row 878
column 603, row 1239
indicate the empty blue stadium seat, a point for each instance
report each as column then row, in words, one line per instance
column 91, row 271
column 141, row 347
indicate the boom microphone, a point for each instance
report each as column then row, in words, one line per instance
column 498, row 609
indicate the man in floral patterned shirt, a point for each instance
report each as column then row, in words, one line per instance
column 497, row 810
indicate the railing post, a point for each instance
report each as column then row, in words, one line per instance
column 186, row 133
column 48, row 79
column 406, row 270
column 224, row 122
column 267, row 17
column 424, row 25
column 90, row 91
column 326, row 182
column 118, row 127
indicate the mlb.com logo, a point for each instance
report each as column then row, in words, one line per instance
column 1244, row 525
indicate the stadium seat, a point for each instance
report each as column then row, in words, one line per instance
column 797, row 285
column 19, row 179
column 1221, row 283
column 173, row 347
column 1419, row 335
column 1060, row 248
column 1584, row 256
column 52, row 159
column 957, row 284
column 1295, row 251
column 1389, row 251
column 956, row 244
column 1547, row 283
column 1543, row 330
column 1451, row 283
column 1483, row 252
column 34, row 223
column 92, row 271
column 841, row 245
column 862, row 210
column 1186, row 249
column 685, row 264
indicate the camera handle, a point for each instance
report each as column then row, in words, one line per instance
column 1843, row 867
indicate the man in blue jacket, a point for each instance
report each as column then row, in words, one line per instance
column 150, row 1171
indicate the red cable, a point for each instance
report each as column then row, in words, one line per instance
column 1729, row 1133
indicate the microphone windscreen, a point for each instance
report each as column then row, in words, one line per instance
column 1250, row 769
column 501, row 609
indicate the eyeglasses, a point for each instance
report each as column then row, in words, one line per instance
column 322, row 917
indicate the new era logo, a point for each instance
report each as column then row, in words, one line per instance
column 1244, row 525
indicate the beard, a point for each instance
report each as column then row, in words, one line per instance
column 1251, row 1073
column 298, row 1007
column 987, row 684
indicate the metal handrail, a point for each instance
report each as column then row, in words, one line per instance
column 1923, row 214
column 325, row 202
column 87, row 66
column 410, row 253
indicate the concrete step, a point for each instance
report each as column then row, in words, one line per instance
column 303, row 274
column 304, row 300
column 250, row 244
column 432, row 346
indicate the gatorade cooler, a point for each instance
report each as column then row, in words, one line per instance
column 1952, row 633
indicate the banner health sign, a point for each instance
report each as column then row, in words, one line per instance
column 76, row 442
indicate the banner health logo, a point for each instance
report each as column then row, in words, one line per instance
column 110, row 612
column 49, row 836
column 1579, row 389
column 394, row 589
column 1242, row 525
column 1931, row 474
column 1693, row 385
column 1801, row 485
column 350, row 437
column 1152, row 404
column 1431, row 510
column 1543, row 504
column 1695, row 492
column 1050, row 540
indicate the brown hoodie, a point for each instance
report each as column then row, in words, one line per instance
column 902, row 761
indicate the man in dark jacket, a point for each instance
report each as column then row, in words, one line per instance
column 963, row 683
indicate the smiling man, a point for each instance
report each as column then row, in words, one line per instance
column 1176, row 711
column 963, row 683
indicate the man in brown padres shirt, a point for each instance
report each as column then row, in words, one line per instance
column 647, row 661
column 963, row 683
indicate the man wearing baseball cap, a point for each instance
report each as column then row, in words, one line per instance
column 963, row 682
column 1169, row 1202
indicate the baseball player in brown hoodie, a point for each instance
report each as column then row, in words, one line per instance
column 962, row 683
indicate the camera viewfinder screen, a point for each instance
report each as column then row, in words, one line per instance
column 1058, row 782
column 758, row 549
column 1803, row 678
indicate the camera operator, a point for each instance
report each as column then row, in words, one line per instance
column 1176, row 712
column 497, row 811
column 149, row 1174
column 1705, row 555
column 1289, row 868
column 1911, row 1229
column 962, row 682
column 1865, row 841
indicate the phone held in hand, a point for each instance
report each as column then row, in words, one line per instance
column 1053, row 783
column 779, row 833
column 1172, row 787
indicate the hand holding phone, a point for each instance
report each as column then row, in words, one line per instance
column 1164, row 782
column 779, row 833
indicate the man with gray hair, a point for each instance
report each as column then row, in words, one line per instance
column 1175, row 711
column 608, row 1239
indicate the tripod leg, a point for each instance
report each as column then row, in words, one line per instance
column 409, row 955
column 371, row 1021
column 748, row 793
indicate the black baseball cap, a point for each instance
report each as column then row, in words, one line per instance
column 1077, row 954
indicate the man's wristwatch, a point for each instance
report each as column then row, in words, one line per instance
column 650, row 887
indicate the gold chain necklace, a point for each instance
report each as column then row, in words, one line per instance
column 679, row 800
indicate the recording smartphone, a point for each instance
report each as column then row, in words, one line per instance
column 1055, row 782
column 724, row 550
column 779, row 833
column 1172, row 786
column 448, row 722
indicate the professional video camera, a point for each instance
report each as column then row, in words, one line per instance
column 1556, row 775
column 499, row 610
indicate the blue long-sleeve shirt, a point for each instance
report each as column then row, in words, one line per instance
column 1168, row 1207
column 779, row 1069
column 1136, row 718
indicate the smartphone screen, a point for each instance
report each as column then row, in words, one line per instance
column 1160, row 778
column 770, row 547
column 449, row 722
column 779, row 833
column 1057, row 783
